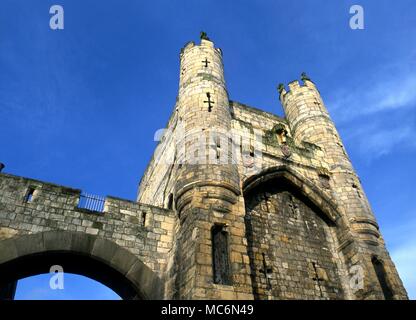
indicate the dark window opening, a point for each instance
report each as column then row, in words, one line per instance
column 357, row 190
column 251, row 150
column 381, row 276
column 29, row 194
column 220, row 258
column 324, row 179
column 170, row 202
column 143, row 219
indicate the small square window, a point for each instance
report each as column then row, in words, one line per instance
column 29, row 194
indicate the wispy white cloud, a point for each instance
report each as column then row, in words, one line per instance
column 393, row 87
column 394, row 94
column 370, row 110
column 373, row 140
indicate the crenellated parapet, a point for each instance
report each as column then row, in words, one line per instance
column 44, row 217
column 200, row 64
column 303, row 107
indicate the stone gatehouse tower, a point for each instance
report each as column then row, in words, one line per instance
column 236, row 203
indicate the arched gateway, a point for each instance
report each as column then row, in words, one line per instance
column 79, row 253
column 291, row 241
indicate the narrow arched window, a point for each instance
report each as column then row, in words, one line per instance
column 381, row 276
column 29, row 194
column 170, row 202
column 220, row 258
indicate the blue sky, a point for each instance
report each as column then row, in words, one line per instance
column 75, row 287
column 79, row 106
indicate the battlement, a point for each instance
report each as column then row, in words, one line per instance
column 295, row 87
column 207, row 43
column 35, row 195
column 188, row 45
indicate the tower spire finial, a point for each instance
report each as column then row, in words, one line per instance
column 304, row 76
column 280, row 88
column 203, row 35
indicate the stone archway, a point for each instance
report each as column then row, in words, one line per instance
column 80, row 253
column 290, row 229
column 305, row 187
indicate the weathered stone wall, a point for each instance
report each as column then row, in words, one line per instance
column 158, row 179
column 54, row 207
column 305, row 143
column 292, row 247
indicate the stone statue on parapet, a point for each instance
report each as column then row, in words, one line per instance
column 304, row 76
column 280, row 87
column 204, row 36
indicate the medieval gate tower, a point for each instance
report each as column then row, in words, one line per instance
column 236, row 203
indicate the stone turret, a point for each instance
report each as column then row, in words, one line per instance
column 204, row 152
column 207, row 185
column 310, row 121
